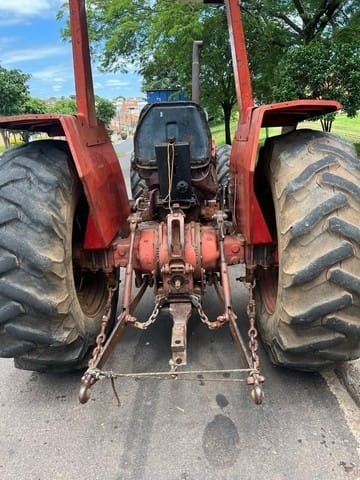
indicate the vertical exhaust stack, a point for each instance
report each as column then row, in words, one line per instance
column 196, row 71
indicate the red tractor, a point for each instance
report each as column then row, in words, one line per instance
column 287, row 214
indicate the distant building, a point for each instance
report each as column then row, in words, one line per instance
column 51, row 101
column 127, row 113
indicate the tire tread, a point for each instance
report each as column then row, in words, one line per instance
column 38, row 313
column 317, row 317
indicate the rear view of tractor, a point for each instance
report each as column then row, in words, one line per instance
column 286, row 215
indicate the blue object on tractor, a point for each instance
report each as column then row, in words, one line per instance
column 165, row 95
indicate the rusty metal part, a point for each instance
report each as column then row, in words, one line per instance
column 88, row 380
column 218, row 288
column 224, row 291
column 175, row 286
column 160, row 300
column 220, row 218
column 211, row 324
column 180, row 313
column 101, row 356
column 141, row 290
column 235, row 332
column 134, row 220
column 100, row 339
column 234, row 249
column 252, row 332
column 254, row 379
column 173, row 244
column 225, row 296
column 98, row 374
column 176, row 276
column 151, row 248
column 208, row 209
column 102, row 352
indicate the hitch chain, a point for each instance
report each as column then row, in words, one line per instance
column 160, row 300
column 212, row 325
column 101, row 338
column 254, row 379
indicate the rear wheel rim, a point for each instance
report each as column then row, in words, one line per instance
column 268, row 280
column 90, row 287
column 91, row 291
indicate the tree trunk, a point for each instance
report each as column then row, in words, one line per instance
column 326, row 124
column 227, row 108
column 6, row 137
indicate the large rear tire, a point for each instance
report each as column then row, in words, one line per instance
column 309, row 308
column 50, row 310
column 223, row 164
column 137, row 183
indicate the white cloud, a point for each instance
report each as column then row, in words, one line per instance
column 21, row 11
column 52, row 80
column 29, row 55
column 5, row 42
column 52, row 72
column 115, row 82
column 27, row 8
column 57, row 77
column 11, row 21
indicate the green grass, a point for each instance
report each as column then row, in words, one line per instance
column 13, row 144
column 348, row 128
column 343, row 126
column 218, row 132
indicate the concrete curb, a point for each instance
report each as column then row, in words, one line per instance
column 349, row 375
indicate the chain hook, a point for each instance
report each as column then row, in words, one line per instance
column 254, row 379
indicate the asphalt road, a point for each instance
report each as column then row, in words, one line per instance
column 175, row 430
column 124, row 150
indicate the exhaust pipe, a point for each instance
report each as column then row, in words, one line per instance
column 196, row 71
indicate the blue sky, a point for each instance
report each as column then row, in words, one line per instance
column 30, row 41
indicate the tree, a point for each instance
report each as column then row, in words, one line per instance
column 13, row 94
column 170, row 64
column 328, row 71
column 275, row 28
column 63, row 106
column 32, row 105
column 300, row 21
column 217, row 79
column 105, row 110
column 156, row 37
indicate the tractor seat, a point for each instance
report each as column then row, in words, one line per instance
column 177, row 122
